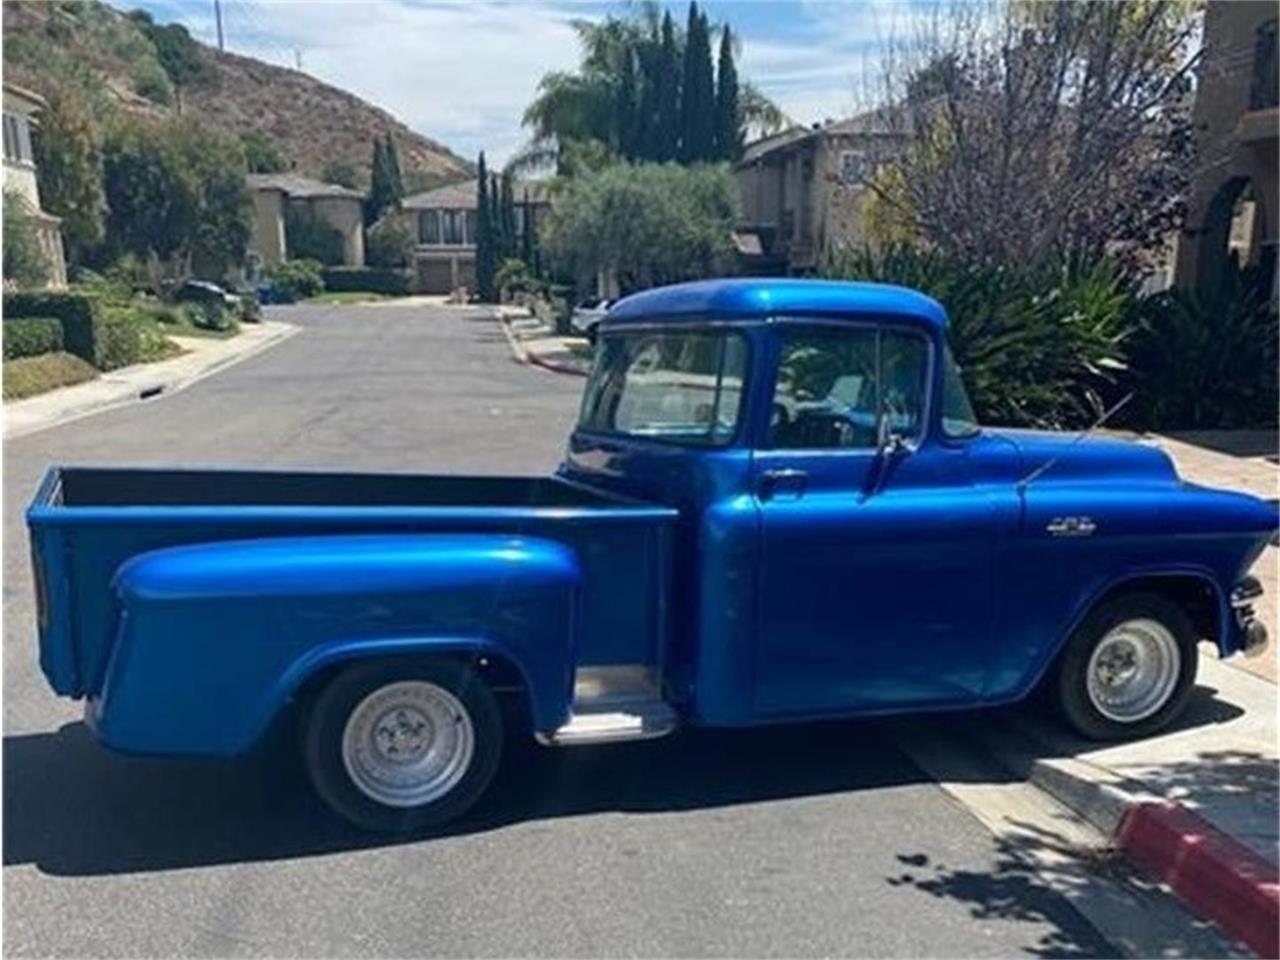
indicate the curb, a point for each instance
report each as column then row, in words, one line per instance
column 522, row 354
column 1216, row 875
column 157, row 385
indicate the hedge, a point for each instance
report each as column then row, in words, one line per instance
column 386, row 280
column 107, row 342
column 31, row 336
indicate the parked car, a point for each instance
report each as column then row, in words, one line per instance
column 587, row 314
column 776, row 505
column 203, row 291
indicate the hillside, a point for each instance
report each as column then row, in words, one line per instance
column 312, row 123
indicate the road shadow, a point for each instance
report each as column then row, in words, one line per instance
column 73, row 808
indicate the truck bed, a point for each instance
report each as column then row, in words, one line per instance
column 86, row 522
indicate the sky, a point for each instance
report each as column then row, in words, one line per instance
column 462, row 71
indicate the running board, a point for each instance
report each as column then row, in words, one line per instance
column 633, row 720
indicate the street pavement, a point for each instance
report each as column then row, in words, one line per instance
column 807, row 840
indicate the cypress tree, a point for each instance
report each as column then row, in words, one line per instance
column 667, row 76
column 485, row 262
column 526, row 235
column 496, row 222
column 507, row 197
column 728, row 114
column 391, row 158
column 627, row 108
column 697, row 103
column 379, row 187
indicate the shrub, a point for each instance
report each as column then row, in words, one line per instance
column 1205, row 361
column 98, row 331
column 294, row 280
column 366, row 280
column 24, row 262
column 27, row 376
column 308, row 237
column 390, row 241
column 151, row 81
column 31, row 336
column 1037, row 346
column 512, row 277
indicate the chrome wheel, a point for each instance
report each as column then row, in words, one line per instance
column 408, row 743
column 1133, row 670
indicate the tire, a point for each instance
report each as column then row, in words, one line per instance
column 370, row 712
column 1139, row 622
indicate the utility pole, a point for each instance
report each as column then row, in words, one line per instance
column 297, row 59
column 217, row 15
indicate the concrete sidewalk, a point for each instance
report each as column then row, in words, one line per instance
column 534, row 342
column 202, row 356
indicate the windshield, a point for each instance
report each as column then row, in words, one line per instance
column 682, row 387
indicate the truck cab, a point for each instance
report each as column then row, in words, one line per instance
column 776, row 506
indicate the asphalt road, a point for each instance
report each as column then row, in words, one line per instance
column 813, row 840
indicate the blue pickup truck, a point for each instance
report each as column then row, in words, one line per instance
column 776, row 506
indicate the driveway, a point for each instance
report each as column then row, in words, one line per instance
column 809, row 840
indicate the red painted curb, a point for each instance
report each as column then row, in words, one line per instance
column 1218, row 877
column 556, row 367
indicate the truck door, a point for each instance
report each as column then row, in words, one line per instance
column 875, row 577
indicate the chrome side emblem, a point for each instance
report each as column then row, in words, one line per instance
column 1071, row 526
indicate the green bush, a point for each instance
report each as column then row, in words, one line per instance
column 308, row 237
column 389, row 242
column 99, row 331
column 24, row 261
column 1205, row 361
column 395, row 283
column 31, row 336
column 1041, row 347
column 294, row 280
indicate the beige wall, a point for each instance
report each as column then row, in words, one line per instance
column 20, row 178
column 346, row 216
column 268, row 226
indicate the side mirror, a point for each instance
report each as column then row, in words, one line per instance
column 888, row 442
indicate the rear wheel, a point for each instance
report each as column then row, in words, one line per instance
column 400, row 747
column 1129, row 668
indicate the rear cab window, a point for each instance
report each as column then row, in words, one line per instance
column 677, row 386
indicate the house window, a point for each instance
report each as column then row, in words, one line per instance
column 854, row 167
column 429, row 226
column 17, row 138
column 471, row 226
column 452, row 226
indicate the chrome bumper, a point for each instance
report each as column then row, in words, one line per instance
column 1253, row 633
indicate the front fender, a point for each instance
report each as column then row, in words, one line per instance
column 213, row 639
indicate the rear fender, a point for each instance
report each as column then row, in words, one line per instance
column 214, row 639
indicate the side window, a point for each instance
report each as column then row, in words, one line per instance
column 833, row 385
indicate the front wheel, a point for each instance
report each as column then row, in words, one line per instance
column 1129, row 668
column 397, row 747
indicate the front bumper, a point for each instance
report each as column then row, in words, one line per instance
column 1253, row 633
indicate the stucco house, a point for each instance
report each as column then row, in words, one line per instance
column 278, row 195
column 804, row 190
column 443, row 222
column 20, row 109
column 1233, row 205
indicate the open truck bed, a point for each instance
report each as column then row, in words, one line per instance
column 89, row 524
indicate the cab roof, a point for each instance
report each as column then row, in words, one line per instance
column 761, row 297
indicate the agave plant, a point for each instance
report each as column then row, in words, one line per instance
column 1207, row 360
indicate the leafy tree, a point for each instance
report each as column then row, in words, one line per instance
column 728, row 112
column 152, row 195
column 697, row 94
column 69, row 168
column 643, row 225
column 390, row 242
column 179, row 55
column 262, row 154
column 24, row 262
column 486, row 254
column 309, row 237
column 225, row 214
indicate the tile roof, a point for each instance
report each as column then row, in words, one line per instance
column 462, row 195
column 296, row 185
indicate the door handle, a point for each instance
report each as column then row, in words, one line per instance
column 772, row 481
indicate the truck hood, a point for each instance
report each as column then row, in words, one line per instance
column 1093, row 458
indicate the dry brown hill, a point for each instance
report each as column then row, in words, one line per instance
column 311, row 122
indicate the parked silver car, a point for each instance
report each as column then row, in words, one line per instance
column 588, row 313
